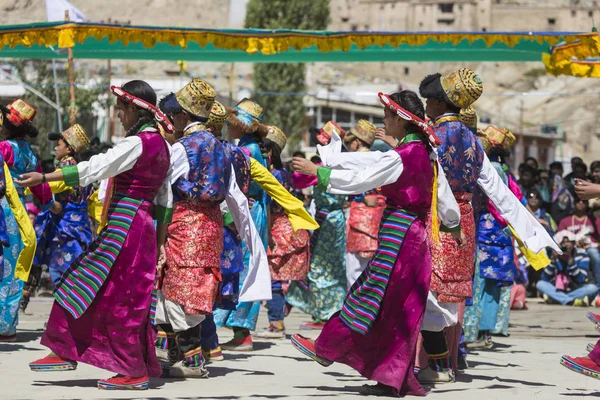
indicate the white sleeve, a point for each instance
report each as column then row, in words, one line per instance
column 164, row 197
column 257, row 285
column 527, row 227
column 179, row 162
column 367, row 171
column 119, row 159
column 447, row 208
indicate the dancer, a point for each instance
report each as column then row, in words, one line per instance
column 244, row 123
column 190, row 275
column 17, row 124
column 322, row 294
column 288, row 253
column 366, row 210
column 65, row 235
column 496, row 270
column 101, row 315
column 376, row 331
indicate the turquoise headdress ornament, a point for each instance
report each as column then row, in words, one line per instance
column 248, row 111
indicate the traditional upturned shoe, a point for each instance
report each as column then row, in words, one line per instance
column 52, row 362
column 8, row 338
column 590, row 347
column 582, row 365
column 167, row 351
column 122, row 382
column 595, row 318
column 307, row 347
column 485, row 343
column 192, row 366
column 213, row 355
column 239, row 343
column 462, row 363
column 428, row 375
column 312, row 326
column 276, row 330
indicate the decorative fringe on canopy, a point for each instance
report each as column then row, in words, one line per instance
column 576, row 56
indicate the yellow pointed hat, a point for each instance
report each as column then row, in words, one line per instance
column 463, row 87
column 364, row 130
column 217, row 118
column 276, row 135
column 197, row 98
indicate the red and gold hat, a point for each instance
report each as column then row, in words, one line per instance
column 324, row 135
column 20, row 112
column 75, row 137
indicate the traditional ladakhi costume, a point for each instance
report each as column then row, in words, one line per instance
column 464, row 162
column 496, row 270
column 63, row 237
column 376, row 332
column 20, row 158
column 101, row 315
column 201, row 179
column 322, row 294
column 363, row 221
column 289, row 253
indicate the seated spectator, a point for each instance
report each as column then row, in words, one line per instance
column 562, row 199
column 532, row 162
column 544, row 186
column 565, row 280
column 527, row 178
column 556, row 168
column 578, row 171
column 534, row 205
column 595, row 178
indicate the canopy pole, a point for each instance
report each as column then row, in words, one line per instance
column 57, row 97
column 109, row 125
column 72, row 106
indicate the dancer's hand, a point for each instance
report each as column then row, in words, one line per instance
column 381, row 135
column 371, row 201
column 304, row 166
column 586, row 190
column 161, row 256
column 460, row 238
column 29, row 179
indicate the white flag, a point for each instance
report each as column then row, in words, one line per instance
column 56, row 11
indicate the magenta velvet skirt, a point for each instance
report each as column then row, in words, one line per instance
column 387, row 353
column 115, row 332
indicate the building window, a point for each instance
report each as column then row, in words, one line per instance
column 444, row 21
column 590, row 14
column 551, row 21
column 573, row 13
column 406, row 70
column 484, row 29
column 446, row 8
column 354, row 27
column 345, row 19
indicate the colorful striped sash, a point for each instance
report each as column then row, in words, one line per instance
column 81, row 283
column 363, row 302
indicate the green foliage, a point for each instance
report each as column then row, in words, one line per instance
column 46, row 120
column 284, row 111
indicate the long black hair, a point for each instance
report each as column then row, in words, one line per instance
column 269, row 145
column 411, row 102
column 144, row 91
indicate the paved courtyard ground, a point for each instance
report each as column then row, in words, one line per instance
column 522, row 366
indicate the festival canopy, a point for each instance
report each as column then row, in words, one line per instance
column 49, row 40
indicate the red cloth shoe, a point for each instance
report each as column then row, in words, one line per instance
column 240, row 342
column 122, row 382
column 52, row 362
column 307, row 347
column 595, row 318
column 582, row 365
column 312, row 326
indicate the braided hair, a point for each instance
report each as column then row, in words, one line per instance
column 145, row 92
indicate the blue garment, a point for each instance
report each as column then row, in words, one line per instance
column 589, row 289
column 209, row 340
column 322, row 294
column 496, row 252
column 63, row 237
column 210, row 169
column 460, row 153
column 576, row 272
column 276, row 306
column 232, row 263
column 246, row 314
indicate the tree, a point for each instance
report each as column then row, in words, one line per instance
column 284, row 111
column 46, row 118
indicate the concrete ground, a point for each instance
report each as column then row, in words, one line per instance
column 523, row 366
